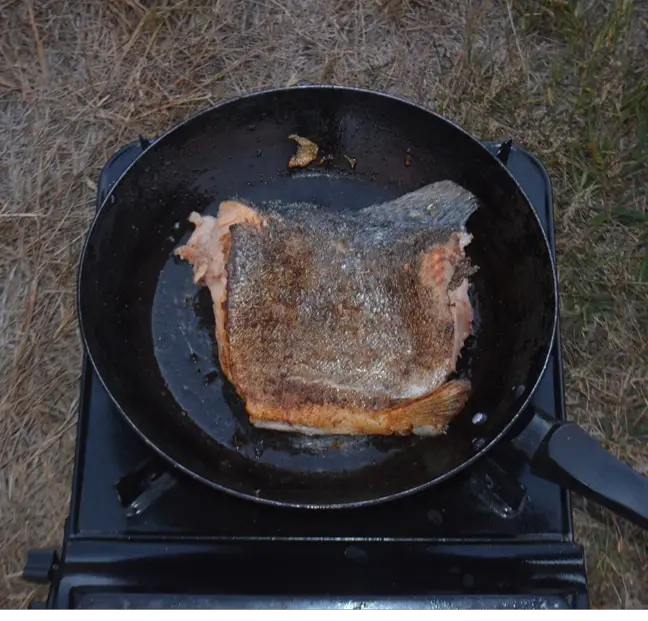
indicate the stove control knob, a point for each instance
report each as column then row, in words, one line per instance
column 40, row 565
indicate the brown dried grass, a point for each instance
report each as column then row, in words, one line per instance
column 566, row 79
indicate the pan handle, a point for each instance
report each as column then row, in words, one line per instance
column 566, row 454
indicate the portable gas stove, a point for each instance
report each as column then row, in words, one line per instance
column 140, row 535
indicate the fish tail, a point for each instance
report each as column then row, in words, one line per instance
column 443, row 204
column 431, row 414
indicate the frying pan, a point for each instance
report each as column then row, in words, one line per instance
column 149, row 332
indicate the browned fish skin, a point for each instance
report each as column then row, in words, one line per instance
column 346, row 322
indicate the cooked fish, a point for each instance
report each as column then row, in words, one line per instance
column 345, row 322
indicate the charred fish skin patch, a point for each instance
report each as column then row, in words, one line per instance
column 346, row 322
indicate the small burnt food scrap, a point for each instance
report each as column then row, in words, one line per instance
column 306, row 152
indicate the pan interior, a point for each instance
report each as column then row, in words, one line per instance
column 150, row 331
column 186, row 350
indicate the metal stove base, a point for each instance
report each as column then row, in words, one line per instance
column 194, row 574
column 142, row 601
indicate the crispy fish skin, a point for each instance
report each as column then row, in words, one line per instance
column 341, row 322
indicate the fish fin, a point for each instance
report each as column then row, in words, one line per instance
column 443, row 204
column 431, row 414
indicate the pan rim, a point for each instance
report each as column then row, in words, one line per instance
column 482, row 452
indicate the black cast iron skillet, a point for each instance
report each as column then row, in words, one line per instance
column 149, row 331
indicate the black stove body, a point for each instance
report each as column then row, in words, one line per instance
column 140, row 535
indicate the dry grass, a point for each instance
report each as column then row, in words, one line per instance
column 566, row 79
